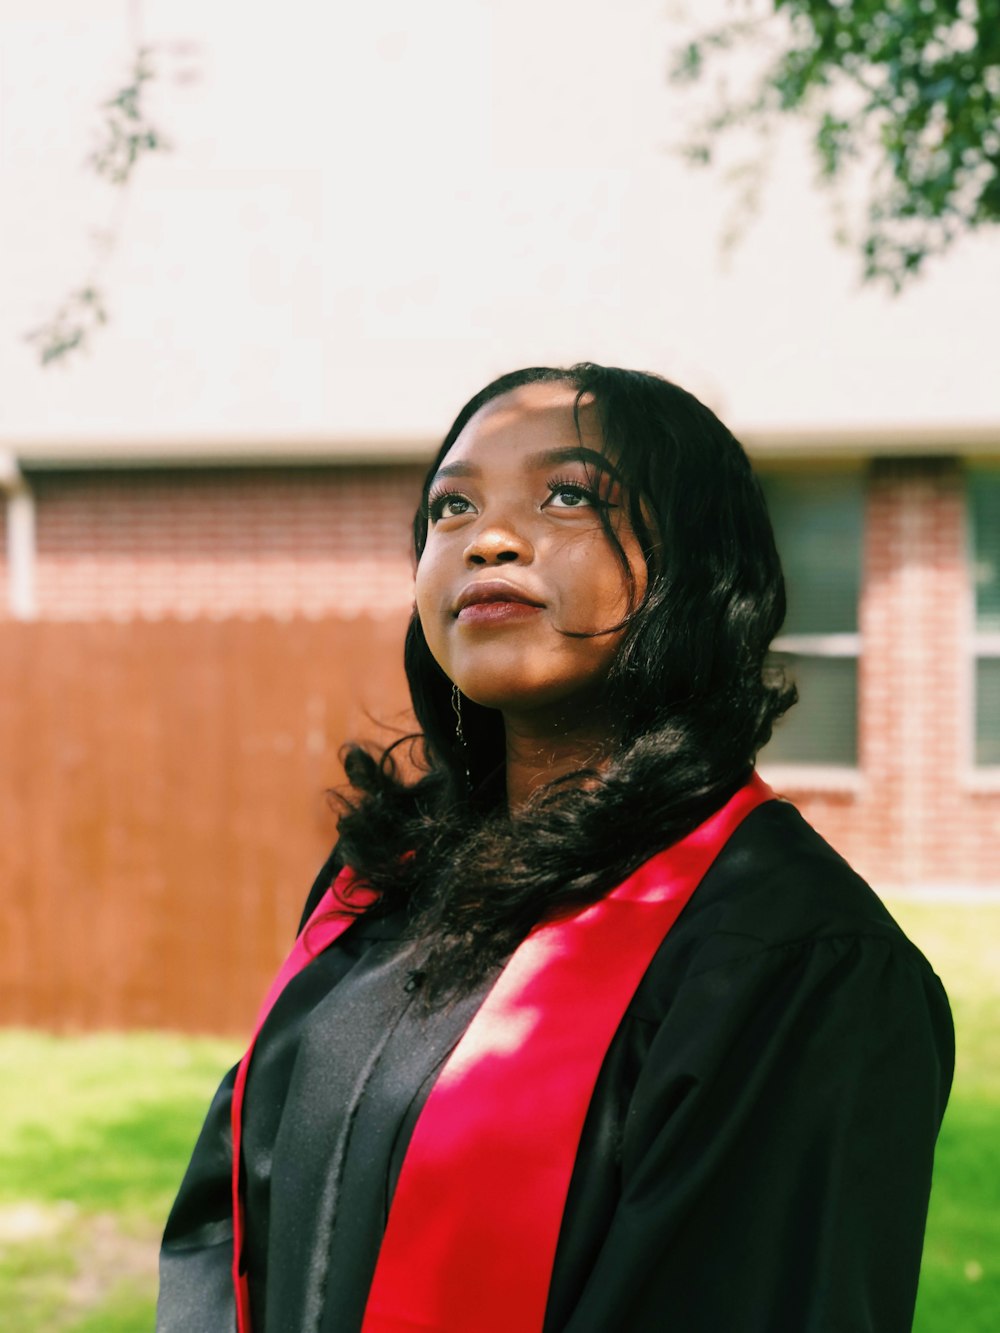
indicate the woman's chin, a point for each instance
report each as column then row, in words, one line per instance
column 528, row 699
column 507, row 693
column 499, row 695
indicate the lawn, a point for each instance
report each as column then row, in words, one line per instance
column 960, row 1279
column 95, row 1131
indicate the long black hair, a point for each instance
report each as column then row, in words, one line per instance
column 689, row 689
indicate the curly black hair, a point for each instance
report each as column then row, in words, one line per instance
column 689, row 688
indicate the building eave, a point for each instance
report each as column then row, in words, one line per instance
column 846, row 442
column 37, row 453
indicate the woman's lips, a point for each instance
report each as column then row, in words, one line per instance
column 494, row 601
column 496, row 612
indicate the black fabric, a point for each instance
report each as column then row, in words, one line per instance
column 196, row 1287
column 329, row 871
column 756, row 1157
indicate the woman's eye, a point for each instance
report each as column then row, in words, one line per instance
column 570, row 496
column 449, row 505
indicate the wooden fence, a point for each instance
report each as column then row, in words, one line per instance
column 162, row 808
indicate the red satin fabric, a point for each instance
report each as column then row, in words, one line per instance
column 475, row 1218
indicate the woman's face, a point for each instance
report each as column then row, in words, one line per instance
column 516, row 555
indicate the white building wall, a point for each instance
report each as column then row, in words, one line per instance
column 370, row 210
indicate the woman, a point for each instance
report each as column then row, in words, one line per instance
column 584, row 1030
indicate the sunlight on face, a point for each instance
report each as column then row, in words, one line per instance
column 516, row 554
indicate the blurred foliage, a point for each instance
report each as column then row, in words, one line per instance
column 128, row 131
column 71, row 325
column 128, row 135
column 904, row 93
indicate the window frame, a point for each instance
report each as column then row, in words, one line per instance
column 979, row 644
column 815, row 776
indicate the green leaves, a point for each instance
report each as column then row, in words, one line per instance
column 835, row 141
column 128, row 136
column 906, row 91
column 81, row 313
column 128, row 133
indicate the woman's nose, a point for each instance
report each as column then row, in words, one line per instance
column 497, row 546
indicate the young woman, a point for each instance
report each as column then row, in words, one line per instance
column 584, row 1031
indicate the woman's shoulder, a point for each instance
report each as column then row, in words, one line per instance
column 776, row 894
column 328, row 872
column 371, row 924
column 779, row 880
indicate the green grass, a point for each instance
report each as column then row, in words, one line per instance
column 960, row 1278
column 95, row 1132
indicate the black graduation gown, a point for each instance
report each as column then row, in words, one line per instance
column 756, row 1156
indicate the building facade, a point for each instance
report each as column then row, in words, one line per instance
column 893, row 572
column 183, row 650
column 892, row 565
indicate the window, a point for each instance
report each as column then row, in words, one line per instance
column 984, row 512
column 818, row 522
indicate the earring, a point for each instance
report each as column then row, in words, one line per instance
column 456, row 708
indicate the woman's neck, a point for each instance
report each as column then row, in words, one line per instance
column 541, row 749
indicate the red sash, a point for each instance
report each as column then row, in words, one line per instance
column 475, row 1218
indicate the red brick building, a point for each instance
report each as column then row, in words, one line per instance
column 893, row 566
column 183, row 647
column 892, row 559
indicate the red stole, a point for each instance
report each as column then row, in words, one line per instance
column 475, row 1218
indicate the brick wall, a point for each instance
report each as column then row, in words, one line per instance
column 161, row 779
column 188, row 544
column 916, row 818
column 331, row 542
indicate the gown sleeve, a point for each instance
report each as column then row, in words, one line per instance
column 196, row 1289
column 196, row 1256
column 776, row 1152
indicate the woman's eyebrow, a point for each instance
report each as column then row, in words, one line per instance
column 457, row 470
column 573, row 453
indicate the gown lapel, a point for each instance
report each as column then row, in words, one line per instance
column 475, row 1218
column 334, row 912
column 474, row 1222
